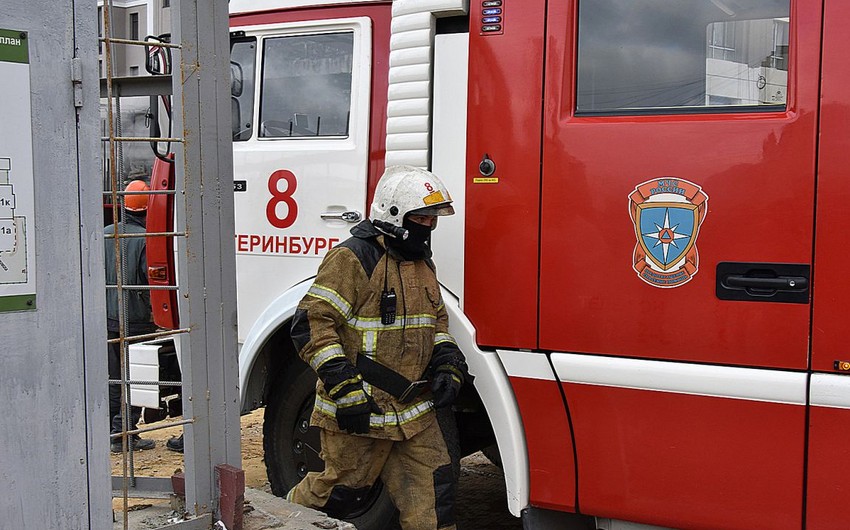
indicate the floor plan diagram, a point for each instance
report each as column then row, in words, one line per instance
column 13, row 254
column 17, row 182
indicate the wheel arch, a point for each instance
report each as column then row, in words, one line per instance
column 494, row 389
column 257, row 363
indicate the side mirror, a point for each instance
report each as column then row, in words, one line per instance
column 158, row 58
column 235, row 79
column 235, row 117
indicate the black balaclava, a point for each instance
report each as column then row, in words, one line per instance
column 418, row 242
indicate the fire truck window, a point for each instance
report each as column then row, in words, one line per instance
column 661, row 57
column 306, row 87
column 242, row 59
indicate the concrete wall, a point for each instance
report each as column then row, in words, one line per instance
column 53, row 431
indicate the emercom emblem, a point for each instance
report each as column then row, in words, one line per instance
column 667, row 213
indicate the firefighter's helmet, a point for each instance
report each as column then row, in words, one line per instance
column 407, row 189
column 136, row 203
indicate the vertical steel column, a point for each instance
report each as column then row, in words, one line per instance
column 206, row 256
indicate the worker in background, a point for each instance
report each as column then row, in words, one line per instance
column 374, row 328
column 137, row 304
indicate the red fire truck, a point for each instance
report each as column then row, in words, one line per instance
column 646, row 270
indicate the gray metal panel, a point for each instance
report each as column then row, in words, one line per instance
column 92, row 276
column 46, row 451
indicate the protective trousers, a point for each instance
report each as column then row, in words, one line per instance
column 417, row 473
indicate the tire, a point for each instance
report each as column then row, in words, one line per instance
column 292, row 446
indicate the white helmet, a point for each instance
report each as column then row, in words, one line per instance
column 407, row 189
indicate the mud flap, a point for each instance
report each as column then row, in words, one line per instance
column 541, row 519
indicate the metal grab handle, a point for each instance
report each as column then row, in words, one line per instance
column 349, row 217
column 788, row 283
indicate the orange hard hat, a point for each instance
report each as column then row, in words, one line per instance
column 136, row 203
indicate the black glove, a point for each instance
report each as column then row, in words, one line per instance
column 446, row 385
column 344, row 385
column 353, row 405
column 354, row 419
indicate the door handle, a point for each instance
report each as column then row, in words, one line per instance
column 763, row 282
column 776, row 284
column 352, row 216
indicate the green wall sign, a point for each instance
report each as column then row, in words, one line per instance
column 14, row 47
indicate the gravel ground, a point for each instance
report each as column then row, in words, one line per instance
column 482, row 502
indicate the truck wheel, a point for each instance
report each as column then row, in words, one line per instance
column 292, row 447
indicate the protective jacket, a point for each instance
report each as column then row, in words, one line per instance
column 135, row 273
column 341, row 317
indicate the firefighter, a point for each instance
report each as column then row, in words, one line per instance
column 374, row 328
column 137, row 306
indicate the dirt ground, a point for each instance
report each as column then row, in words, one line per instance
column 160, row 462
column 481, row 500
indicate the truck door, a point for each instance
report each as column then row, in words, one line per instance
column 301, row 113
column 677, row 201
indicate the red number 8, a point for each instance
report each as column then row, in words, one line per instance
column 282, row 197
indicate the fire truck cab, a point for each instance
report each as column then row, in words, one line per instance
column 645, row 273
